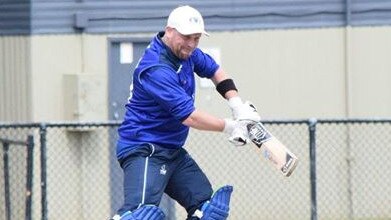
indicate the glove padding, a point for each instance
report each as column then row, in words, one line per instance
column 237, row 131
column 243, row 111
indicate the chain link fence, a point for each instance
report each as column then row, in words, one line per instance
column 353, row 175
column 16, row 173
column 342, row 174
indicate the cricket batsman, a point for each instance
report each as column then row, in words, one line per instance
column 159, row 114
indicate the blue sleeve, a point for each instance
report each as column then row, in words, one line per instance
column 204, row 65
column 162, row 84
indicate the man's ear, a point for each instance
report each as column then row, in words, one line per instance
column 169, row 31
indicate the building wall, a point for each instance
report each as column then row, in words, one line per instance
column 78, row 30
column 370, row 52
column 296, row 73
column 287, row 73
column 15, row 78
column 74, row 54
column 323, row 73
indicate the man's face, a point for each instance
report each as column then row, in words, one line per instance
column 182, row 45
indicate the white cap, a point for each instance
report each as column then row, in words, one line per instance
column 186, row 20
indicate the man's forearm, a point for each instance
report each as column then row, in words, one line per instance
column 220, row 76
column 203, row 121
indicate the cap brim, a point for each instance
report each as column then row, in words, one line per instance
column 193, row 32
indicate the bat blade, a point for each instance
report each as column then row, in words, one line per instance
column 276, row 152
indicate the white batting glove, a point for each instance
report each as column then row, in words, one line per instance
column 237, row 131
column 243, row 111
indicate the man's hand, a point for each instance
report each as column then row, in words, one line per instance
column 243, row 111
column 237, row 131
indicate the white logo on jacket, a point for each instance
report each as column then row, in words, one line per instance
column 163, row 170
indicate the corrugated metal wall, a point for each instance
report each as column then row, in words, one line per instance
column 149, row 16
column 14, row 17
column 15, row 80
column 119, row 16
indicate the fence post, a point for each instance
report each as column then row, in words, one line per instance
column 312, row 132
column 42, row 134
column 6, row 182
column 29, row 183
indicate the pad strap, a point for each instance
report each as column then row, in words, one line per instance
column 150, row 212
column 225, row 86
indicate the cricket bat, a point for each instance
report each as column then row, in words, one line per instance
column 277, row 153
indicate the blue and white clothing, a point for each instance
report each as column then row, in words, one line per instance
column 162, row 97
column 151, row 137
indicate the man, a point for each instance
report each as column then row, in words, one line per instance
column 158, row 116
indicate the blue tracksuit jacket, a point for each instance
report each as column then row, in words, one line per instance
column 162, row 97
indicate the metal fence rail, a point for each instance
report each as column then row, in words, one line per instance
column 343, row 171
